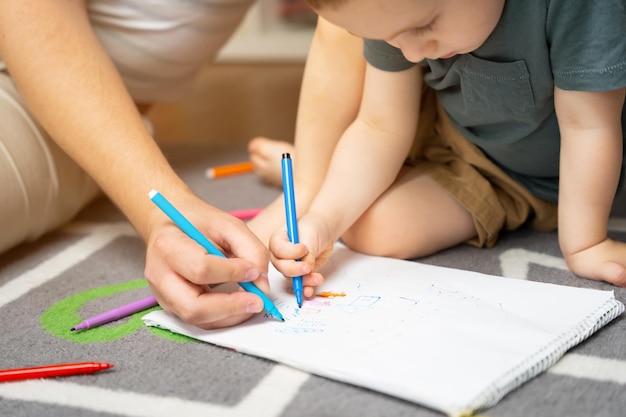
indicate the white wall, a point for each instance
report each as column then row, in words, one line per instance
column 264, row 35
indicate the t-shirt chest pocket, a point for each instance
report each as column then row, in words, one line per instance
column 496, row 89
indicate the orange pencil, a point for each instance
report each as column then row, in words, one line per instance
column 232, row 169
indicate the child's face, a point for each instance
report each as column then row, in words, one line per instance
column 420, row 28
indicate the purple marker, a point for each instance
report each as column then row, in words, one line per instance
column 117, row 313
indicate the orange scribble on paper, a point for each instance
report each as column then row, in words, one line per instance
column 330, row 294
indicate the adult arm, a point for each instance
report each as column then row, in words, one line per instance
column 75, row 92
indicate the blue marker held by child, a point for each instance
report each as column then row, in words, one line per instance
column 191, row 231
column 292, row 218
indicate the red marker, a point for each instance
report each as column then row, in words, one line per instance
column 51, row 371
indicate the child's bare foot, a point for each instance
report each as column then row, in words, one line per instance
column 265, row 155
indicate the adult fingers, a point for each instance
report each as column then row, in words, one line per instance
column 237, row 240
column 202, row 306
column 191, row 261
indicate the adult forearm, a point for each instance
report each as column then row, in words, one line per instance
column 75, row 92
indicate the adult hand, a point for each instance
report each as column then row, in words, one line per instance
column 182, row 274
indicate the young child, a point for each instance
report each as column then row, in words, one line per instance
column 502, row 108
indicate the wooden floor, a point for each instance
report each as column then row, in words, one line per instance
column 232, row 103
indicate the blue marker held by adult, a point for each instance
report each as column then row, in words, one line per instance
column 191, row 231
column 292, row 218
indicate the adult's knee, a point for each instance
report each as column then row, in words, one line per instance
column 42, row 187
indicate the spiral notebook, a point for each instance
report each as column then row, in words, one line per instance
column 451, row 340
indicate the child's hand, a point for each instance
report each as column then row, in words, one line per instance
column 314, row 250
column 605, row 261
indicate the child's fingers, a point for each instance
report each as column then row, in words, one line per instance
column 310, row 283
column 291, row 267
column 281, row 248
column 314, row 279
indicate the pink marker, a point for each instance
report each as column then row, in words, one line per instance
column 246, row 214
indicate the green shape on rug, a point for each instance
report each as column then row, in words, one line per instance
column 62, row 316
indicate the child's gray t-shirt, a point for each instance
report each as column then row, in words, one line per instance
column 501, row 96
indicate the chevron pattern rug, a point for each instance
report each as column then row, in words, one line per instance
column 95, row 263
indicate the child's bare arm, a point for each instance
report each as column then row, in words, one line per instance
column 369, row 155
column 329, row 101
column 591, row 157
column 364, row 164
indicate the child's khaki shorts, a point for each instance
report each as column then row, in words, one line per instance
column 494, row 199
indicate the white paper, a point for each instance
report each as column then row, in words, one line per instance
column 452, row 340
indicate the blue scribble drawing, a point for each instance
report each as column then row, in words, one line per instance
column 303, row 325
column 362, row 303
column 289, row 309
column 455, row 295
column 503, row 312
column 297, row 330
column 411, row 300
column 419, row 308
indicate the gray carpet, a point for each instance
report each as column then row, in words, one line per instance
column 96, row 263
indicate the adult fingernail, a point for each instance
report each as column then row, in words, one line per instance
column 251, row 274
column 254, row 308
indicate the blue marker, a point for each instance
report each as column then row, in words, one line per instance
column 292, row 218
column 191, row 231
